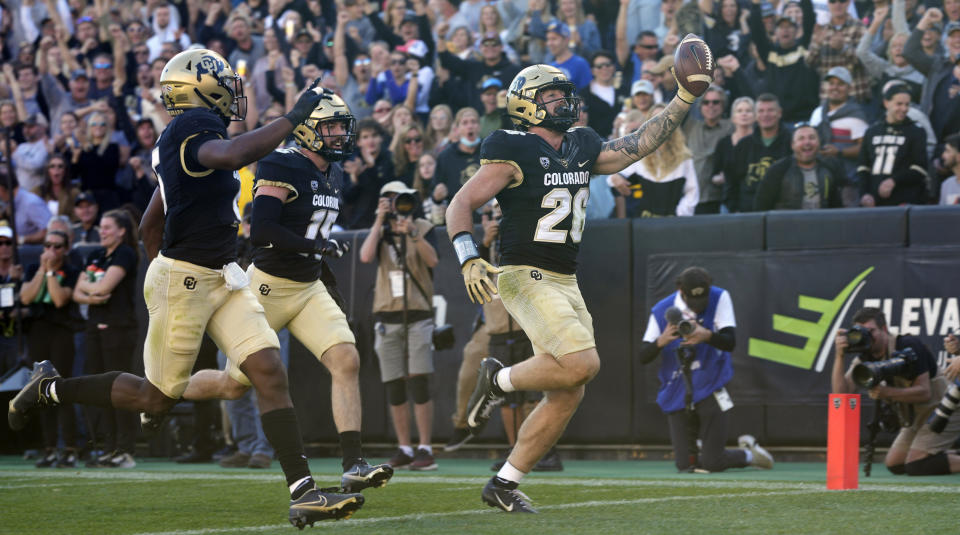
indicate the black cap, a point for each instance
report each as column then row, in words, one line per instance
column 695, row 284
column 86, row 196
column 788, row 20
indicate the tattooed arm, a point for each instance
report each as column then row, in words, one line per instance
column 617, row 154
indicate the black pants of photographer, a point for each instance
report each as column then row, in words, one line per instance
column 712, row 430
column 111, row 349
column 54, row 342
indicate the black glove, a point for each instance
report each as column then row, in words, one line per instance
column 333, row 248
column 307, row 103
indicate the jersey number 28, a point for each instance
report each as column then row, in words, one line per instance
column 562, row 203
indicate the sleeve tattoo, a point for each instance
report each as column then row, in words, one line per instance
column 650, row 135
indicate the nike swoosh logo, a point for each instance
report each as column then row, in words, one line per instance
column 581, row 164
column 506, row 508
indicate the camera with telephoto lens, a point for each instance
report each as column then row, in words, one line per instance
column 941, row 415
column 403, row 205
column 901, row 364
column 686, row 327
column 859, row 340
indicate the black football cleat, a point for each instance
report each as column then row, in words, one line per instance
column 509, row 500
column 485, row 396
column 323, row 504
column 32, row 396
column 363, row 476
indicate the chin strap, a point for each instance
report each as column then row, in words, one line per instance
column 210, row 104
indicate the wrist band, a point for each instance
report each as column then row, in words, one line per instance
column 465, row 247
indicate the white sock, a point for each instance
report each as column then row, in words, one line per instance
column 297, row 483
column 426, row 447
column 52, row 392
column 749, row 456
column 503, row 380
column 407, row 449
column 510, row 473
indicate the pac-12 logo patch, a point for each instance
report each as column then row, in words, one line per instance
column 189, row 283
column 314, row 185
column 545, row 162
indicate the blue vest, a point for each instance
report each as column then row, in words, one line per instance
column 712, row 368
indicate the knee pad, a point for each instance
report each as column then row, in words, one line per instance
column 932, row 465
column 419, row 387
column 396, row 393
column 897, row 469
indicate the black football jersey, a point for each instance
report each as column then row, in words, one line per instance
column 544, row 213
column 200, row 204
column 310, row 210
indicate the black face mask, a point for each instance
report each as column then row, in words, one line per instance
column 564, row 116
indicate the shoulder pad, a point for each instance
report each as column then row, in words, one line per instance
column 277, row 167
column 585, row 133
column 279, row 157
column 501, row 145
column 198, row 120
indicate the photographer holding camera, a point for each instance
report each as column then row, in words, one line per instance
column 403, row 311
column 902, row 372
column 693, row 330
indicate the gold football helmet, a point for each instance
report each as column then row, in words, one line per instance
column 333, row 146
column 201, row 78
column 525, row 110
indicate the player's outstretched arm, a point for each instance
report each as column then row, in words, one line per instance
column 617, row 154
column 232, row 154
column 693, row 71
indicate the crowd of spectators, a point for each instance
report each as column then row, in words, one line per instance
column 80, row 102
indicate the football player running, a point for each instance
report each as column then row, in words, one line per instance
column 297, row 197
column 194, row 284
column 540, row 176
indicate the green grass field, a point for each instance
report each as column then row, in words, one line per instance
column 609, row 497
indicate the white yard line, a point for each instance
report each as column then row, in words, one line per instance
column 56, row 485
column 480, row 511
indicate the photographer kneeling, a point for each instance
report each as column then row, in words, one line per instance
column 908, row 381
column 693, row 329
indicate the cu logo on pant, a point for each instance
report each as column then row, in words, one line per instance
column 189, row 283
column 535, row 275
column 264, row 289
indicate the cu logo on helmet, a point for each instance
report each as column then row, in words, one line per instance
column 518, row 84
column 209, row 64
